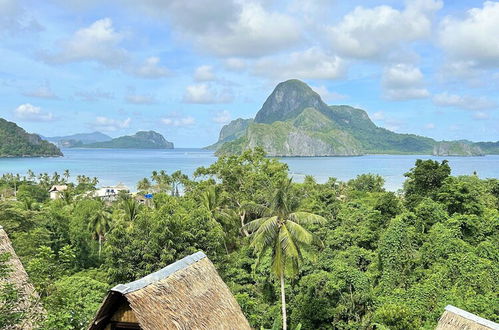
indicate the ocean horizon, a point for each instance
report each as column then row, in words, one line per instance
column 128, row 166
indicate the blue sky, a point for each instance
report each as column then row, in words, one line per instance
column 185, row 69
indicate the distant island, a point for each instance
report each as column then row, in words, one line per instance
column 140, row 140
column 294, row 121
column 16, row 142
column 78, row 139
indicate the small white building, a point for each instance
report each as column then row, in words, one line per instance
column 110, row 193
column 56, row 190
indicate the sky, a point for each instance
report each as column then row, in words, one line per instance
column 185, row 68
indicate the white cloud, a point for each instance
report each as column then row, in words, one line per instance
column 373, row 32
column 429, row 126
column 94, row 95
column 228, row 28
column 481, row 115
column 177, row 121
column 43, row 92
column 403, row 82
column 98, row 42
column 465, row 102
column 151, row 69
column 235, row 64
column 327, row 95
column 204, row 73
column 311, row 63
column 379, row 115
column 222, row 117
column 474, row 38
column 143, row 99
column 205, row 94
column 29, row 112
column 14, row 18
column 109, row 124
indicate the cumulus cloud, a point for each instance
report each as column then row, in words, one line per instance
column 474, row 38
column 143, row 99
column 481, row 115
column 206, row 94
column 235, row 64
column 178, row 121
column 43, row 92
column 15, row 19
column 403, row 82
column 464, row 102
column 373, row 32
column 29, row 112
column 204, row 73
column 227, row 28
column 94, row 95
column 429, row 126
column 311, row 63
column 222, row 117
column 151, row 69
column 110, row 124
column 327, row 95
column 98, row 42
column 379, row 115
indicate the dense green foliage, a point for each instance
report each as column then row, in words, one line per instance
column 16, row 142
column 140, row 140
column 384, row 261
column 294, row 121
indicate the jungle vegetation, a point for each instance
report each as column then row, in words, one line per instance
column 342, row 255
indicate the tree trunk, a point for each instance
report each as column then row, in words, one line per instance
column 245, row 232
column 283, row 303
column 100, row 244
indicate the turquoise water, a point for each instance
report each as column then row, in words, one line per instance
column 129, row 166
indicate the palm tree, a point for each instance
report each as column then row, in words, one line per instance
column 280, row 230
column 211, row 200
column 131, row 208
column 66, row 175
column 99, row 224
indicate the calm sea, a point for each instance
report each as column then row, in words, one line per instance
column 112, row 166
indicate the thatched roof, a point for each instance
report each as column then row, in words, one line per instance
column 30, row 301
column 454, row 318
column 187, row 294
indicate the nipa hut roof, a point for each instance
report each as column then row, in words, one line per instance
column 29, row 299
column 454, row 318
column 188, row 294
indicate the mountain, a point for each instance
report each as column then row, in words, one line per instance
column 79, row 139
column 16, row 142
column 140, row 140
column 491, row 148
column 294, row 121
column 232, row 131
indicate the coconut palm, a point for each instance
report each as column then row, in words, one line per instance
column 131, row 208
column 99, row 223
column 280, row 231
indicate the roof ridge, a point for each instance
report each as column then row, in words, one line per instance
column 160, row 274
column 472, row 317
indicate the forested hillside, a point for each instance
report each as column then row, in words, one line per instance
column 356, row 256
column 16, row 142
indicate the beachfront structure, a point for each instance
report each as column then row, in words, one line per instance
column 188, row 294
column 110, row 193
column 29, row 303
column 56, row 190
column 454, row 318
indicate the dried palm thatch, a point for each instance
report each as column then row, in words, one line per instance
column 29, row 300
column 188, row 294
column 454, row 318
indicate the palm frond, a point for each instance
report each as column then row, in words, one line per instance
column 305, row 218
column 255, row 208
column 299, row 233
